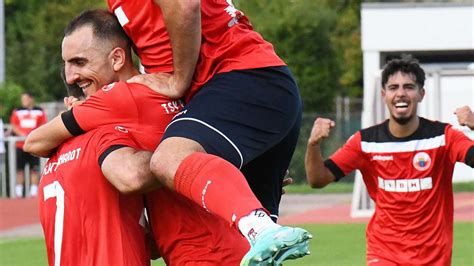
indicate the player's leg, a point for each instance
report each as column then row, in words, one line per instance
column 20, row 172
column 265, row 175
column 238, row 125
column 34, row 176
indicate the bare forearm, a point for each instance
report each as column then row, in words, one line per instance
column 128, row 170
column 183, row 23
column 317, row 174
column 46, row 138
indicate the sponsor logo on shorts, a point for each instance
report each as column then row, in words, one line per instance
column 421, row 161
column 405, row 185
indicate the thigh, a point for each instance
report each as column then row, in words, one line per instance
column 241, row 114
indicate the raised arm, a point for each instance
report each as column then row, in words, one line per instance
column 46, row 138
column 183, row 23
column 465, row 116
column 128, row 170
column 317, row 175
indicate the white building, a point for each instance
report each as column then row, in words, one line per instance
column 441, row 37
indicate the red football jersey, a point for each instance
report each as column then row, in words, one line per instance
column 26, row 120
column 228, row 40
column 180, row 226
column 85, row 220
column 410, row 180
column 131, row 106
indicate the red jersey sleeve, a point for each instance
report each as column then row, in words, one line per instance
column 346, row 159
column 459, row 146
column 111, row 139
column 110, row 105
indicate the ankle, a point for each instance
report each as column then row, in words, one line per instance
column 255, row 223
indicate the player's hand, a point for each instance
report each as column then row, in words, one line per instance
column 465, row 116
column 287, row 180
column 71, row 101
column 321, row 130
column 162, row 83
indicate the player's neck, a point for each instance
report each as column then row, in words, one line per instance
column 128, row 73
column 403, row 130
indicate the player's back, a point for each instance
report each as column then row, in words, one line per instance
column 86, row 221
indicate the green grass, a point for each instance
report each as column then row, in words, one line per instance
column 343, row 187
column 341, row 244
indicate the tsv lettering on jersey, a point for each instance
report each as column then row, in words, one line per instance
column 62, row 159
column 405, row 185
column 173, row 106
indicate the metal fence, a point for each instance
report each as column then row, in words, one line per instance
column 8, row 169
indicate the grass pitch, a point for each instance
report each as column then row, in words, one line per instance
column 339, row 244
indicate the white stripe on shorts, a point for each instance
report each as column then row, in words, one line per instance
column 216, row 130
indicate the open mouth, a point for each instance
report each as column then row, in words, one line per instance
column 401, row 105
column 84, row 86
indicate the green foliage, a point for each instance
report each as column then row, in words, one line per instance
column 34, row 31
column 300, row 32
column 10, row 94
column 333, row 244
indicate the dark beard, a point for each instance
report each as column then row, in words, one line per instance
column 402, row 120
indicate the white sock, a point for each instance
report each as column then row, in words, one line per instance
column 19, row 191
column 255, row 223
column 33, row 190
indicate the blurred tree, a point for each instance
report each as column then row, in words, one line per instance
column 34, row 31
column 9, row 99
column 300, row 31
column 346, row 40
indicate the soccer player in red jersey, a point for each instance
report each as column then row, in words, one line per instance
column 184, row 232
column 23, row 121
column 85, row 220
column 407, row 164
column 242, row 112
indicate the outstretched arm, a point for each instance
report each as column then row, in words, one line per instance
column 46, row 138
column 183, row 23
column 317, row 175
column 128, row 170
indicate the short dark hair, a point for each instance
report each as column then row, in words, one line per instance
column 407, row 65
column 105, row 26
column 29, row 93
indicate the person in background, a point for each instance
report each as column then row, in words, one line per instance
column 23, row 121
column 407, row 164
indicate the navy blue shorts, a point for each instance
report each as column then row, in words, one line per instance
column 250, row 118
column 23, row 158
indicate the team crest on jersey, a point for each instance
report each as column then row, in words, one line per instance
column 108, row 87
column 421, row 161
column 121, row 129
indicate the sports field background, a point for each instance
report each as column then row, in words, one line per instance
column 341, row 244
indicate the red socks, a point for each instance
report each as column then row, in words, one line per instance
column 216, row 185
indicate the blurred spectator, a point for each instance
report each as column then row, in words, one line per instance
column 23, row 121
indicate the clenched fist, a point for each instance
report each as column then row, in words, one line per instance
column 321, row 130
